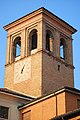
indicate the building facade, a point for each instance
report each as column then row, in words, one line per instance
column 55, row 106
column 9, row 102
column 39, row 54
column 39, row 66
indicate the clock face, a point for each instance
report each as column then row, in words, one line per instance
column 22, row 70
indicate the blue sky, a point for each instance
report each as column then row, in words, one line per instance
column 67, row 10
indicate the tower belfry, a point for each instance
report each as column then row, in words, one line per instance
column 39, row 54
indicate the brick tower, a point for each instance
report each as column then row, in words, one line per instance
column 39, row 54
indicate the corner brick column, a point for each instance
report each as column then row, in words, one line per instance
column 11, row 50
column 43, row 35
column 39, row 42
column 57, row 44
column 8, row 50
column 70, row 52
column 23, row 43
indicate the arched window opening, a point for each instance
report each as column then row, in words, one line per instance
column 33, row 39
column 62, row 48
column 49, row 41
column 17, row 47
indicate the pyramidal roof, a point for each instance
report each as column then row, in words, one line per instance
column 43, row 11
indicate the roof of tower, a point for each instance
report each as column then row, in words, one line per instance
column 36, row 12
column 15, row 93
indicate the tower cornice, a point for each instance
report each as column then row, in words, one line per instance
column 43, row 11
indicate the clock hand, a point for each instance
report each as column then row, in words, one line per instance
column 22, row 69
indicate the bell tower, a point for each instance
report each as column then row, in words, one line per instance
column 39, row 54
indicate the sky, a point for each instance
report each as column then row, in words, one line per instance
column 68, row 10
